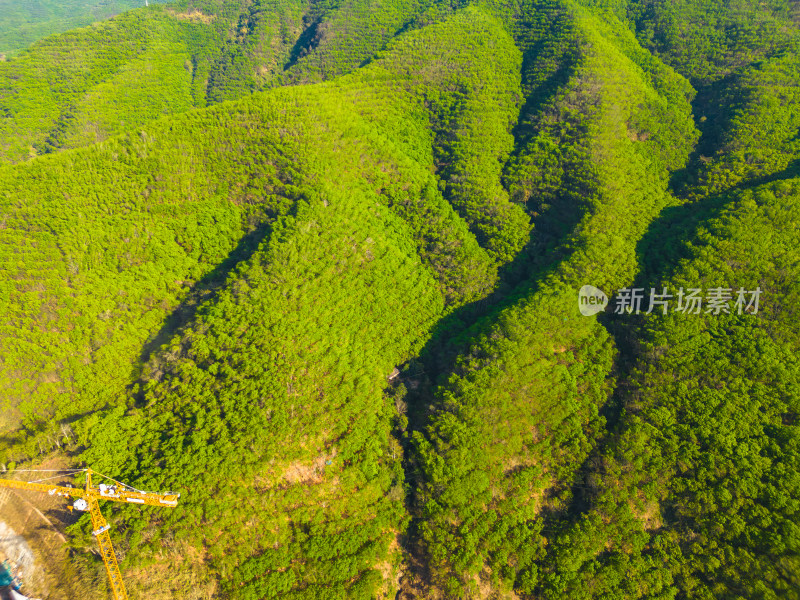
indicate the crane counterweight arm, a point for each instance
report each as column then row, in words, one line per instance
column 59, row 490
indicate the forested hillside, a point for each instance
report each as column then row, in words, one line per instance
column 316, row 266
column 23, row 23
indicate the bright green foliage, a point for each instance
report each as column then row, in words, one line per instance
column 286, row 376
column 696, row 495
column 83, row 86
column 147, row 173
column 80, row 283
column 86, row 85
column 224, row 225
column 23, row 23
column 472, row 105
column 519, row 412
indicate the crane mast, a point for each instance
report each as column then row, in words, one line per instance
column 88, row 500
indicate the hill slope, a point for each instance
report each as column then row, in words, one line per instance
column 316, row 264
column 23, row 23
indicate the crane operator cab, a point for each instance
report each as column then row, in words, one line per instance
column 107, row 490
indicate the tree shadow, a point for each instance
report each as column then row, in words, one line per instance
column 451, row 338
column 659, row 252
column 204, row 290
column 715, row 109
column 306, row 43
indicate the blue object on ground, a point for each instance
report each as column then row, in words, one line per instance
column 6, row 578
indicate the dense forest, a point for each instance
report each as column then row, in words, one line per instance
column 23, row 23
column 315, row 264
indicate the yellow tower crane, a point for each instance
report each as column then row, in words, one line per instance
column 87, row 500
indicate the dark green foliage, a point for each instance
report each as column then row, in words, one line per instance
column 707, row 40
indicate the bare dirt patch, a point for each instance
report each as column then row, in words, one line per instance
column 32, row 536
column 194, row 16
column 30, row 540
column 300, row 472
